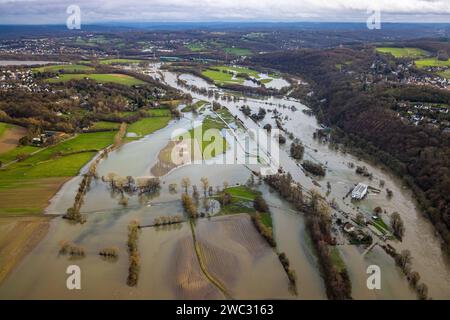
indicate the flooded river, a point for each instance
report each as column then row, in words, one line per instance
column 42, row 274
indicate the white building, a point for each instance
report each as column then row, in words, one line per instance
column 359, row 191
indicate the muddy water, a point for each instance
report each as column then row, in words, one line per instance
column 420, row 237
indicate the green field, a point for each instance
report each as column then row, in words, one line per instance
column 380, row 225
column 248, row 71
column 238, row 51
column 195, row 106
column 196, row 46
column 242, row 202
column 47, row 163
column 243, row 192
column 102, row 78
column 432, row 62
column 120, row 61
column 266, row 218
column 158, row 112
column 3, row 127
column 403, row 52
column 12, row 154
column 105, row 125
column 147, row 126
column 26, row 187
column 445, row 74
column 65, row 68
column 213, row 147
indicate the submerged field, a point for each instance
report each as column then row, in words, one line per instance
column 102, row 78
column 9, row 137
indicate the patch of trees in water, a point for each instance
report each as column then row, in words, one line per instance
column 318, row 223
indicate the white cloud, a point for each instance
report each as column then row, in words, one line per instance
column 53, row 11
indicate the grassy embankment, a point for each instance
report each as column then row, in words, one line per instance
column 147, row 126
column 241, row 200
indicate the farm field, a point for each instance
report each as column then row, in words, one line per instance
column 3, row 127
column 105, row 125
column 403, row 52
column 238, row 51
column 224, row 75
column 102, row 78
column 146, row 126
column 120, row 61
column 9, row 137
column 194, row 107
column 235, row 254
column 432, row 62
column 65, row 68
column 221, row 77
column 27, row 186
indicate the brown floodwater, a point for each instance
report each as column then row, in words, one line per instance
column 41, row 275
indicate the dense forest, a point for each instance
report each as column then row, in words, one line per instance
column 361, row 112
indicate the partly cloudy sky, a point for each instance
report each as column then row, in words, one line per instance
column 99, row 11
